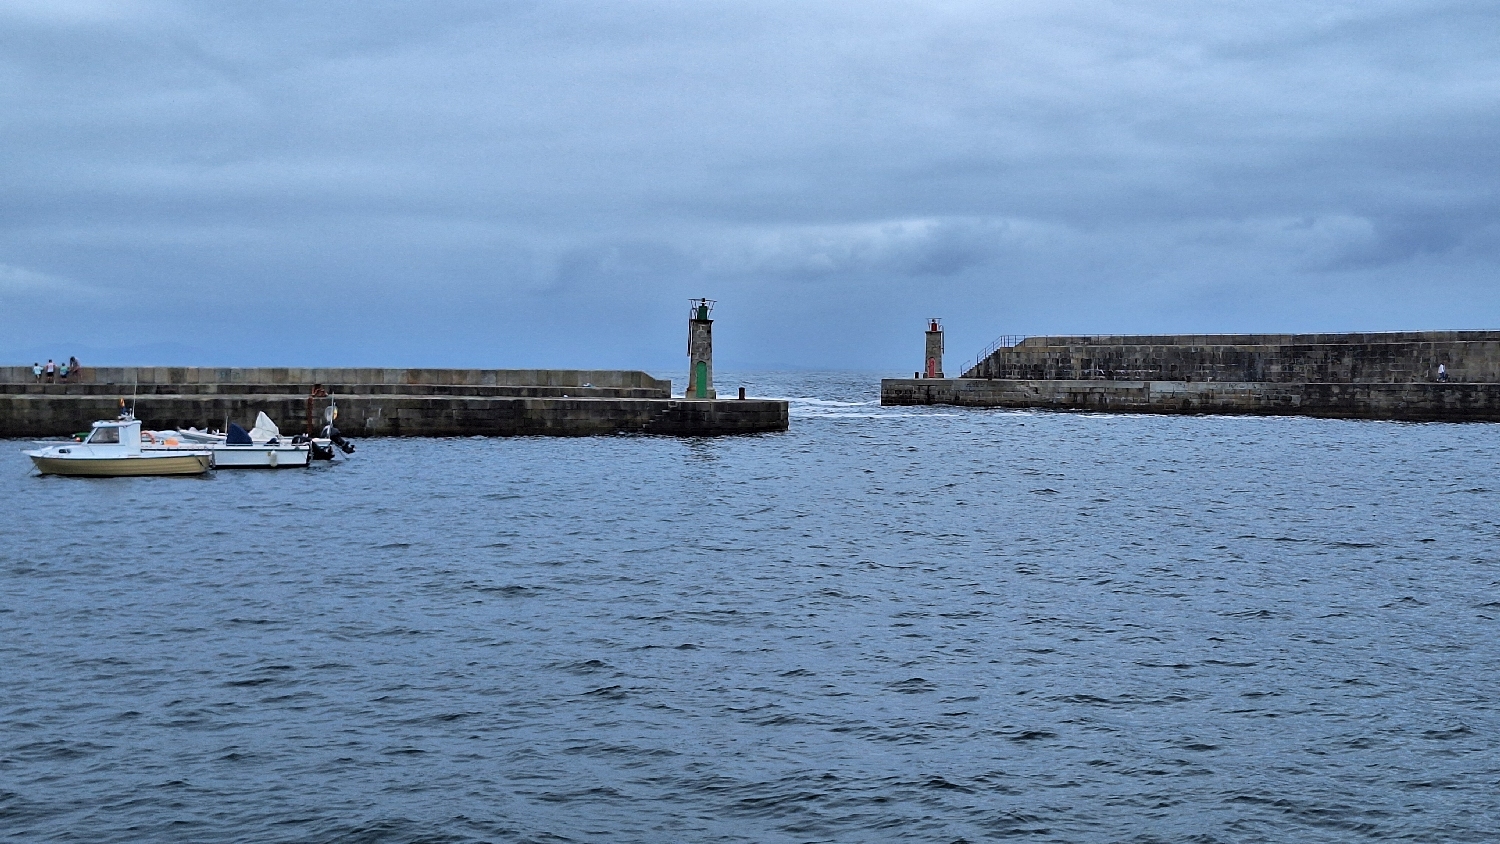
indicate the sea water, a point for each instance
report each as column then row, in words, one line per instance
column 887, row 624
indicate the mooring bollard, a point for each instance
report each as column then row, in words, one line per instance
column 742, row 394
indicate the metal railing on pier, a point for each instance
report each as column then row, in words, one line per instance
column 1004, row 341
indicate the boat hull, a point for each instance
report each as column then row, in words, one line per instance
column 127, row 466
column 245, row 456
column 260, row 457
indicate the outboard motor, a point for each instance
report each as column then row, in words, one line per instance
column 332, row 434
column 315, row 449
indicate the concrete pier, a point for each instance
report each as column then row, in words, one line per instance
column 348, row 378
column 382, row 402
column 1412, row 375
column 1391, row 357
column 1450, row 402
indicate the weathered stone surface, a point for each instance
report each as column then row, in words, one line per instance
column 35, row 415
column 241, row 389
column 380, row 402
column 1394, row 358
column 1450, row 402
column 348, row 379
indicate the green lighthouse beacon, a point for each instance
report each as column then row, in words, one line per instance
column 701, row 351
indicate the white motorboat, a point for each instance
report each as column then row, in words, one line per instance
column 113, row 449
column 262, row 447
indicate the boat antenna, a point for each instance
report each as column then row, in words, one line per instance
column 134, row 387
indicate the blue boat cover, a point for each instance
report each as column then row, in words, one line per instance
column 237, row 436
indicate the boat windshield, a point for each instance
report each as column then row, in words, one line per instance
column 105, row 435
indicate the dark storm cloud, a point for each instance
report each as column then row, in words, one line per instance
column 530, row 183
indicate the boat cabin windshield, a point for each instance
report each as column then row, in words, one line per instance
column 105, row 435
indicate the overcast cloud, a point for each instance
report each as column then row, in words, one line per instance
column 532, row 184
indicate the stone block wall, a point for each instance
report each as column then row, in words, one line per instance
column 380, row 402
column 1394, row 358
column 31, row 415
column 1451, row 402
column 349, row 379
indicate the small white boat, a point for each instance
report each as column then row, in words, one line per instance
column 288, row 456
column 113, row 449
column 262, row 447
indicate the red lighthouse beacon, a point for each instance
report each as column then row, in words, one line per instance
column 934, row 367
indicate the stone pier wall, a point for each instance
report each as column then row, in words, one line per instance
column 347, row 379
column 31, row 415
column 1377, row 358
column 1429, row 402
column 380, row 402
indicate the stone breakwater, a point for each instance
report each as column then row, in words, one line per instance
column 347, row 379
column 1442, row 402
column 1385, row 358
column 381, row 402
column 1410, row 375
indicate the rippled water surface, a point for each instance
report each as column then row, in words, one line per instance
column 930, row 624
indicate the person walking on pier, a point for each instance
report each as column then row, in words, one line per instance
column 36, row 371
column 1443, row 372
column 51, row 371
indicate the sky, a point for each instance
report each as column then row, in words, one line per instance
column 525, row 184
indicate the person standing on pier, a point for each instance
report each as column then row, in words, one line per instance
column 36, row 371
column 51, row 371
column 74, row 369
column 1443, row 372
